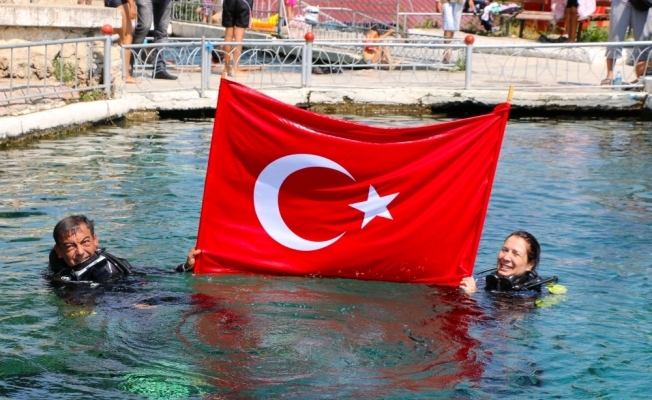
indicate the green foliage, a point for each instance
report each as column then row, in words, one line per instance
column 460, row 63
column 594, row 33
column 64, row 73
column 428, row 24
column 92, row 95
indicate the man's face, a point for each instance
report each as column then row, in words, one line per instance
column 78, row 247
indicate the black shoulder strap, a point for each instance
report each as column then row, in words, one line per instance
column 123, row 265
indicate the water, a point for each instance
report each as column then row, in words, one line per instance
column 583, row 188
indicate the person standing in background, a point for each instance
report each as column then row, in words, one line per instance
column 236, row 17
column 206, row 11
column 623, row 16
column 571, row 11
column 157, row 11
column 128, row 11
column 452, row 15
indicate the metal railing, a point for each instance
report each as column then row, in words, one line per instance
column 350, row 24
column 409, row 63
column 81, row 65
column 58, row 69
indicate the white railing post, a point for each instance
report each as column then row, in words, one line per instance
column 107, row 60
column 468, row 62
column 306, row 60
column 204, row 47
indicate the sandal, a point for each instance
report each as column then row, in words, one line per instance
column 633, row 88
column 606, row 82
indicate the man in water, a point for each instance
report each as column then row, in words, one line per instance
column 76, row 256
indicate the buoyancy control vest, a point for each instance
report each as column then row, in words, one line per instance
column 529, row 281
column 100, row 267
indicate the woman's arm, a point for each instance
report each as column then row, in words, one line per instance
column 468, row 285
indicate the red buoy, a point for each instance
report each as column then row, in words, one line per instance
column 107, row 29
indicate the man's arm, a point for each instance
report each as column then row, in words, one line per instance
column 190, row 261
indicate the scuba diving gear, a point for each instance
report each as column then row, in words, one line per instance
column 530, row 281
column 99, row 267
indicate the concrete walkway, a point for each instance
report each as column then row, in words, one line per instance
column 590, row 102
column 431, row 91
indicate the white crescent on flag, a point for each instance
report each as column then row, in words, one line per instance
column 266, row 198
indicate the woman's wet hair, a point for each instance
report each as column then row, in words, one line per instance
column 533, row 247
column 69, row 225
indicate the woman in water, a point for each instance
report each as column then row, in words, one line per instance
column 515, row 267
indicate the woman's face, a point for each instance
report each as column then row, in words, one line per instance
column 512, row 258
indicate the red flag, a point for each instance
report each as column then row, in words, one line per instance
column 296, row 193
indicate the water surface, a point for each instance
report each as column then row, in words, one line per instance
column 583, row 188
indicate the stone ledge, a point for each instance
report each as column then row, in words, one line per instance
column 33, row 15
column 189, row 100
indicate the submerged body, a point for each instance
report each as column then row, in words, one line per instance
column 515, row 267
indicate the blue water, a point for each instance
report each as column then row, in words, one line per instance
column 583, row 188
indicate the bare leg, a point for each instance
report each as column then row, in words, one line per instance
column 126, row 37
column 641, row 66
column 571, row 24
column 239, row 37
column 447, row 52
column 387, row 56
column 610, row 68
column 228, row 38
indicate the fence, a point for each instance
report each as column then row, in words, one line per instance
column 67, row 68
column 417, row 62
column 334, row 22
column 60, row 69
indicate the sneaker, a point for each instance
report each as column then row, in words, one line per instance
column 164, row 75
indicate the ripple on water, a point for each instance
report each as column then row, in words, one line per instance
column 583, row 188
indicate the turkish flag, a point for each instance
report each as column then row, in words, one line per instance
column 291, row 192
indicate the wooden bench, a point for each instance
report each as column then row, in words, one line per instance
column 530, row 15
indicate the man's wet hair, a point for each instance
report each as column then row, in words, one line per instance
column 533, row 248
column 70, row 225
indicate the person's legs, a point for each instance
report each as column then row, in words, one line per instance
column 571, row 23
column 228, row 38
column 642, row 29
column 452, row 14
column 237, row 52
column 145, row 13
column 387, row 55
column 161, row 15
column 127, row 38
column 449, row 27
column 618, row 23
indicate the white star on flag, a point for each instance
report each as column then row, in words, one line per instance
column 374, row 206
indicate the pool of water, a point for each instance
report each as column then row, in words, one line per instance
column 583, row 188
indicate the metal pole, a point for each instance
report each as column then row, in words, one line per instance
column 469, row 61
column 304, row 63
column 107, row 65
column 203, row 66
column 397, row 11
column 279, row 24
column 123, row 53
column 309, row 59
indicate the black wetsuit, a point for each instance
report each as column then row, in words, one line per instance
column 529, row 281
column 100, row 267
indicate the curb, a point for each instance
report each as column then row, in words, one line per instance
column 445, row 99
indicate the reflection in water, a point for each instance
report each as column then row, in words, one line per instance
column 584, row 189
column 319, row 338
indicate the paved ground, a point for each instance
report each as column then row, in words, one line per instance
column 545, row 78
